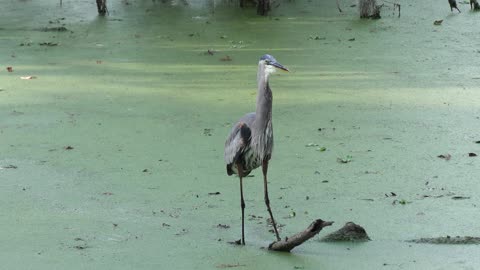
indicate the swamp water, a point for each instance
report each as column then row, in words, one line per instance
column 112, row 156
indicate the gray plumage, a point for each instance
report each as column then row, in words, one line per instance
column 250, row 142
column 252, row 151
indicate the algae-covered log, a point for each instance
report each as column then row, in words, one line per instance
column 295, row 240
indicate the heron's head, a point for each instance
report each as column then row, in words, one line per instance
column 271, row 64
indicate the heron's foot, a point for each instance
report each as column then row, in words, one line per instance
column 272, row 223
column 238, row 242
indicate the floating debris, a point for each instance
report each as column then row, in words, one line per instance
column 460, row 198
column 182, row 232
column 50, row 44
column 402, row 202
column 210, row 52
column 316, row 38
column 28, row 77
column 311, row 145
column 448, row 240
column 207, row 131
column 81, row 247
column 53, row 29
column 9, row 167
column 223, row 226
column 226, row 58
column 446, row 156
column 229, row 265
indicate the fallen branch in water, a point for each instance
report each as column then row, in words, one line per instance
column 295, row 240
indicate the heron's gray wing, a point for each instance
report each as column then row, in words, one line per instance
column 239, row 138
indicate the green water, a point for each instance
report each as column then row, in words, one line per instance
column 138, row 91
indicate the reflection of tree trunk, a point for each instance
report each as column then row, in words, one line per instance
column 102, row 7
column 263, row 7
column 242, row 3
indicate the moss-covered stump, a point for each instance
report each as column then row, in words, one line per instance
column 350, row 232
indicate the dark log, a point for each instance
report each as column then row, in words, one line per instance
column 295, row 240
column 263, row 7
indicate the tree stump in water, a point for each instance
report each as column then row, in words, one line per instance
column 369, row 9
column 102, row 7
column 349, row 232
column 263, row 7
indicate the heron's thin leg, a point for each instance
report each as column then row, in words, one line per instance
column 267, row 200
column 242, row 202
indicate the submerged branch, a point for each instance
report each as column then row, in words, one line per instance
column 295, row 240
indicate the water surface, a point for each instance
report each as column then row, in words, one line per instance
column 146, row 110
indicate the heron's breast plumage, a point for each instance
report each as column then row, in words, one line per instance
column 256, row 149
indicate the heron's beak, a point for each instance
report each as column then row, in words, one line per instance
column 278, row 65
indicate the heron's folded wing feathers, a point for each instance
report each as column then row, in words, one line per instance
column 239, row 137
column 234, row 144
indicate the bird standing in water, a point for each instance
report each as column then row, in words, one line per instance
column 250, row 143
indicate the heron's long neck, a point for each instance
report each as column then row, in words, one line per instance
column 263, row 113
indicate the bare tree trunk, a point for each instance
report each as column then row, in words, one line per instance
column 365, row 7
column 102, row 7
column 263, row 7
column 368, row 9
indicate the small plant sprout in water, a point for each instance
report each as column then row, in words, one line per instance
column 347, row 159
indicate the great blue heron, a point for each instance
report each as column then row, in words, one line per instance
column 250, row 143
